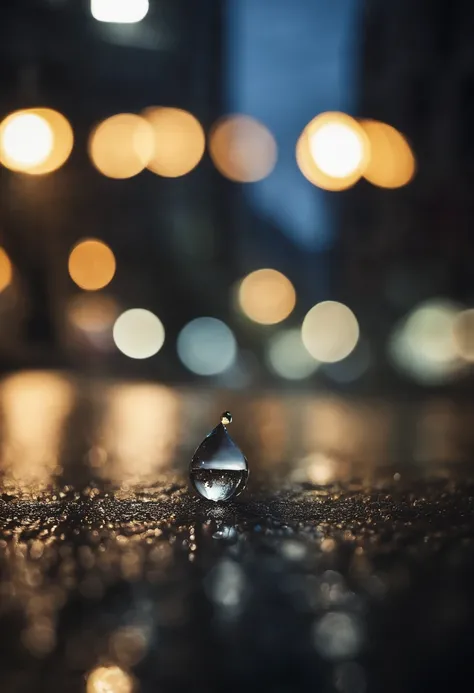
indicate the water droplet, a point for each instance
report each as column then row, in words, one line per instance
column 226, row 417
column 219, row 470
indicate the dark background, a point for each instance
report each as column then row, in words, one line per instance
column 182, row 244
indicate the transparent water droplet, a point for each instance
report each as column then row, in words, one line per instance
column 219, row 470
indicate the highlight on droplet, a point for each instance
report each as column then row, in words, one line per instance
column 91, row 264
column 6, row 269
column 179, row 141
column 392, row 162
column 242, row 148
column 138, row 333
column 330, row 331
column 287, row 356
column 266, row 296
column 122, row 146
column 207, row 346
column 333, row 151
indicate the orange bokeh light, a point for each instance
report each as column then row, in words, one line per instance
column 242, row 149
column 391, row 163
column 6, row 270
column 332, row 152
column 91, row 264
column 121, row 146
column 110, row 679
column 179, row 141
column 35, row 141
column 267, row 296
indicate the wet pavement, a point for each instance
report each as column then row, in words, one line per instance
column 340, row 588
column 347, row 565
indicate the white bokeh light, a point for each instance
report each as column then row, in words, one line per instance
column 138, row 333
column 27, row 139
column 287, row 356
column 424, row 345
column 119, row 11
column 336, row 149
column 330, row 331
column 207, row 346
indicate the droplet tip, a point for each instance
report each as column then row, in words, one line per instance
column 226, row 418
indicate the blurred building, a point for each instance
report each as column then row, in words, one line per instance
column 401, row 247
column 166, row 234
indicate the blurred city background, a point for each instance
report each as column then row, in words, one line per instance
column 259, row 206
column 239, row 194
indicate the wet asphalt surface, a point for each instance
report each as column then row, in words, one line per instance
column 347, row 587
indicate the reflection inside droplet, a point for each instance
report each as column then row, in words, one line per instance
column 218, row 470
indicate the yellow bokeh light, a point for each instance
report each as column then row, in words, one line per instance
column 463, row 330
column 138, row 333
column 333, row 151
column 35, row 141
column 122, row 145
column 63, row 141
column 6, row 270
column 26, row 141
column 391, row 163
column 242, row 149
column 330, row 331
column 266, row 296
column 91, row 264
column 111, row 679
column 179, row 141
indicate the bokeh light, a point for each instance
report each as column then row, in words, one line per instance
column 91, row 264
column 128, row 645
column 337, row 635
column 111, row 679
column 35, row 141
column 119, row 11
column 121, row 146
column 424, row 345
column 138, row 333
column 266, row 296
column 26, row 141
column 242, row 149
column 332, row 151
column 91, row 317
column 463, row 332
column 179, row 141
column 391, row 163
column 6, row 270
column 287, row 356
column 207, row 346
column 92, row 313
column 330, row 331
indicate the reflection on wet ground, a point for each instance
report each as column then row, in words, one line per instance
column 57, row 430
column 348, row 565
